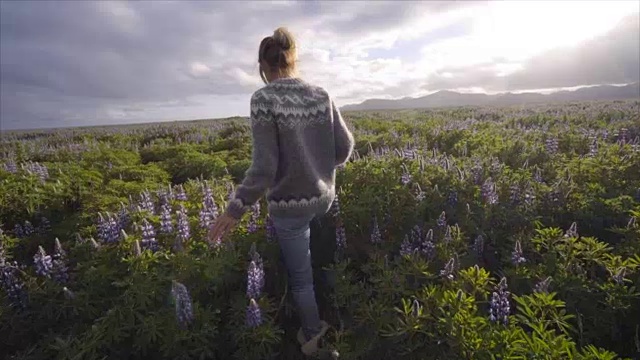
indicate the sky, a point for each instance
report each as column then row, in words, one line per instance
column 83, row 63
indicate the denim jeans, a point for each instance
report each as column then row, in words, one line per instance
column 294, row 235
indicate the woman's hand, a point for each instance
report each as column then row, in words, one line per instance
column 221, row 227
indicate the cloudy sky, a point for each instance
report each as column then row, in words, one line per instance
column 108, row 62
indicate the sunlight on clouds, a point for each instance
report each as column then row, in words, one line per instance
column 520, row 29
column 199, row 69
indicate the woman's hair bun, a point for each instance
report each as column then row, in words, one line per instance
column 283, row 38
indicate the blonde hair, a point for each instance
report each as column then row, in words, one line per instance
column 278, row 52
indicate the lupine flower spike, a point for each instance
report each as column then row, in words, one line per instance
column 255, row 279
column 43, row 263
column 184, row 307
column 573, row 231
column 271, row 230
column 12, row 285
column 499, row 306
column 517, row 257
column 543, row 286
column 448, row 270
column 254, row 315
column 253, row 220
column 447, row 236
column 149, row 237
column 184, row 232
column 59, row 269
column 442, row 220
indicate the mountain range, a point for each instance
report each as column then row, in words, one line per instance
column 447, row 98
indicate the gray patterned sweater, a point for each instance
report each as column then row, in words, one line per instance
column 299, row 138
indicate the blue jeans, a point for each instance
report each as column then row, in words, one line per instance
column 294, row 236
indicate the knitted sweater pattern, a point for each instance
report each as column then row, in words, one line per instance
column 299, row 138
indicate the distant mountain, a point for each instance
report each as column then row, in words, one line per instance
column 451, row 98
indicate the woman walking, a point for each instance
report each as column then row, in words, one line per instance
column 299, row 138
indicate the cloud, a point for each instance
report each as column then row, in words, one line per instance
column 84, row 63
column 612, row 58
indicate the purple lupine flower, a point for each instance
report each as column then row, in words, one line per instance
column 478, row 245
column 11, row 166
column 12, row 284
column 551, row 145
column 425, row 246
column 376, row 236
column 406, row 248
column 166, row 224
column 149, row 237
column 253, row 315
column 271, row 229
column 184, row 232
column 452, row 199
column 543, row 286
column 253, row 220
column 255, row 279
column 618, row 278
column 113, row 228
column 449, row 269
column 205, row 217
column 184, row 306
column 43, row 263
column 406, row 176
column 442, row 220
column 45, row 226
column 163, row 198
column 341, row 237
column 103, row 227
column 489, row 192
column 207, row 194
column 123, row 217
column 416, row 234
column 180, row 194
column 572, row 232
column 60, row 269
column 18, row 231
column 146, row 203
column 499, row 306
column 517, row 256
column 28, row 228
column 476, row 172
column 447, row 236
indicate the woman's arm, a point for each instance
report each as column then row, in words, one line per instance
column 264, row 165
column 343, row 138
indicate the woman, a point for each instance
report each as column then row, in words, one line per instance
column 299, row 138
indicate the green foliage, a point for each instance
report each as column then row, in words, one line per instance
column 381, row 303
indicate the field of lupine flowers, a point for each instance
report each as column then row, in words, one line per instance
column 467, row 233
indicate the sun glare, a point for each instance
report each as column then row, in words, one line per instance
column 521, row 29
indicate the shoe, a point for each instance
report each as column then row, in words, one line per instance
column 313, row 346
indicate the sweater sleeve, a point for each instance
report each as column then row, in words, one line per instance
column 262, row 172
column 343, row 138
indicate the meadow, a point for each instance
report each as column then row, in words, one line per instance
column 460, row 233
